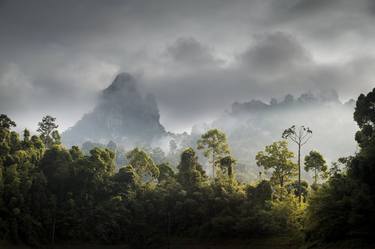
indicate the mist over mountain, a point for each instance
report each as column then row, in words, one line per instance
column 122, row 115
column 129, row 118
column 250, row 126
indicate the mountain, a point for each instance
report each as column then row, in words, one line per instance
column 127, row 117
column 122, row 115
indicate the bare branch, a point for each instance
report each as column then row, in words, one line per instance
column 306, row 140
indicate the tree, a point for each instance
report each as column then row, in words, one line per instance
column 278, row 158
column 260, row 194
column 126, row 179
column 75, row 153
column 362, row 166
column 56, row 137
column 300, row 137
column 6, row 122
column 5, row 125
column 166, row 172
column 103, row 161
column 364, row 115
column 343, row 208
column 214, row 143
column 143, row 164
column 294, row 187
column 315, row 161
column 190, row 172
column 227, row 166
column 55, row 165
column 12, row 198
column 47, row 129
column 26, row 137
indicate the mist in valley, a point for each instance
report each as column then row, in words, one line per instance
column 177, row 124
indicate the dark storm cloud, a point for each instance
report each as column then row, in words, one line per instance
column 277, row 53
column 189, row 52
column 306, row 7
column 196, row 56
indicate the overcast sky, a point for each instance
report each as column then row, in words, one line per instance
column 196, row 57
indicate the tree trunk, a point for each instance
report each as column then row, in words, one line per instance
column 281, row 188
column 299, row 173
column 213, row 165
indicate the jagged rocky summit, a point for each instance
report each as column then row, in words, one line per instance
column 122, row 115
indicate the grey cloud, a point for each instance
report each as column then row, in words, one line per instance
column 299, row 7
column 189, row 52
column 273, row 66
column 275, row 53
column 15, row 88
column 63, row 52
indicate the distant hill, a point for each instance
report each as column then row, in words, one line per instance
column 252, row 125
column 127, row 118
column 122, row 115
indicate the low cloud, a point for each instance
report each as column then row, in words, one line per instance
column 196, row 57
column 275, row 64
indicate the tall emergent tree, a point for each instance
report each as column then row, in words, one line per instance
column 278, row 158
column 214, row 144
column 315, row 161
column 143, row 165
column 299, row 136
column 47, row 129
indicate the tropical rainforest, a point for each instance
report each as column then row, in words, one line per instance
column 52, row 195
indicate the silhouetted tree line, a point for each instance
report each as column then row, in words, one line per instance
column 50, row 194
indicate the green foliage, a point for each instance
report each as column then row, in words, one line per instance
column 260, row 194
column 50, row 194
column 295, row 188
column 227, row 166
column 143, row 164
column 289, row 214
column 278, row 158
column 6, row 122
column 47, row 129
column 343, row 208
column 315, row 162
column 126, row 179
column 165, row 172
column 214, row 144
column 190, row 173
column 364, row 115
